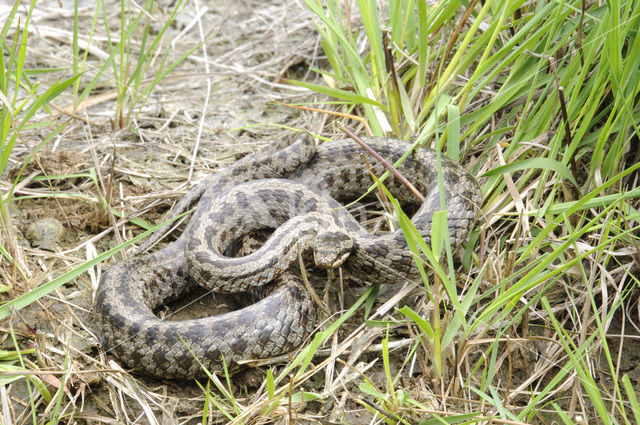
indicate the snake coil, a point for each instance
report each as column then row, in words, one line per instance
column 304, row 209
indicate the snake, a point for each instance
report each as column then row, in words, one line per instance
column 297, row 192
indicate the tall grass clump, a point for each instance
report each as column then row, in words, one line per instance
column 540, row 100
column 139, row 56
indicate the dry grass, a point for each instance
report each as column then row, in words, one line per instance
column 212, row 109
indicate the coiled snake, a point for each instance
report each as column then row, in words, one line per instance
column 286, row 191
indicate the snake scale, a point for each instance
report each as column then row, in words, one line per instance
column 295, row 191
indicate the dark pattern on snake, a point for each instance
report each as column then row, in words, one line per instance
column 227, row 209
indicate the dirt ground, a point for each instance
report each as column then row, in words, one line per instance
column 207, row 113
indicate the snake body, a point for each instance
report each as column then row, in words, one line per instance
column 304, row 211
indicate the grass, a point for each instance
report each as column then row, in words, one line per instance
column 534, row 322
column 555, row 76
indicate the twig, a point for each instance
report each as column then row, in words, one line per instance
column 452, row 41
column 383, row 161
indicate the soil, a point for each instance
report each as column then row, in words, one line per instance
column 189, row 126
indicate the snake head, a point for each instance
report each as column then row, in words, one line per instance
column 331, row 249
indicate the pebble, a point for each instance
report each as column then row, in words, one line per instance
column 45, row 233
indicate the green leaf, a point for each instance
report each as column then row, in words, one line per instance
column 533, row 163
column 305, row 396
column 453, row 132
column 455, row 419
column 439, row 231
column 270, row 384
column 337, row 93
column 422, row 323
column 631, row 396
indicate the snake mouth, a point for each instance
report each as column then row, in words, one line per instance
column 340, row 260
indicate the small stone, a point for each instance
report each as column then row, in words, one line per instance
column 45, row 233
